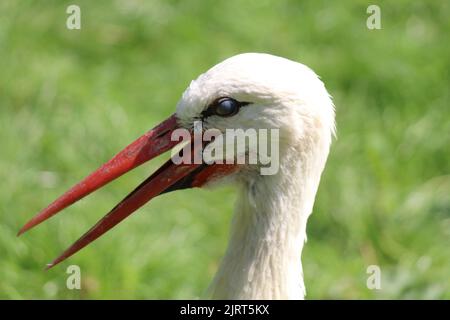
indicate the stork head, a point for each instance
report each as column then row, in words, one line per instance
column 271, row 93
column 247, row 91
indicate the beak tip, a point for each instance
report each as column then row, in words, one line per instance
column 49, row 266
column 148, row 146
column 32, row 223
column 25, row 228
column 21, row 231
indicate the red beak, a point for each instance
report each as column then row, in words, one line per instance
column 168, row 177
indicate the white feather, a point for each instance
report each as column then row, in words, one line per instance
column 263, row 259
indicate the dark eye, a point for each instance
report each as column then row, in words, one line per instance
column 223, row 107
column 226, row 107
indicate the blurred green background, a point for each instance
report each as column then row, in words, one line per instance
column 70, row 99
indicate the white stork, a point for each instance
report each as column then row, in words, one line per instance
column 251, row 90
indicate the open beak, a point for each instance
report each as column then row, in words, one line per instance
column 169, row 177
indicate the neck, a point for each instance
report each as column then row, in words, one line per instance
column 263, row 259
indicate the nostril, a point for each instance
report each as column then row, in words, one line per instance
column 163, row 133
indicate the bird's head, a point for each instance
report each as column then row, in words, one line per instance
column 250, row 92
column 255, row 91
column 259, row 91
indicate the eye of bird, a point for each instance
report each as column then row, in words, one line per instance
column 224, row 107
column 227, row 107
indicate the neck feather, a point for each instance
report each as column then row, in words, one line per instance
column 263, row 259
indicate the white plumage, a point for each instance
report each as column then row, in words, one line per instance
column 263, row 259
column 269, row 225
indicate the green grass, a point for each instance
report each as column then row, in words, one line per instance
column 71, row 99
